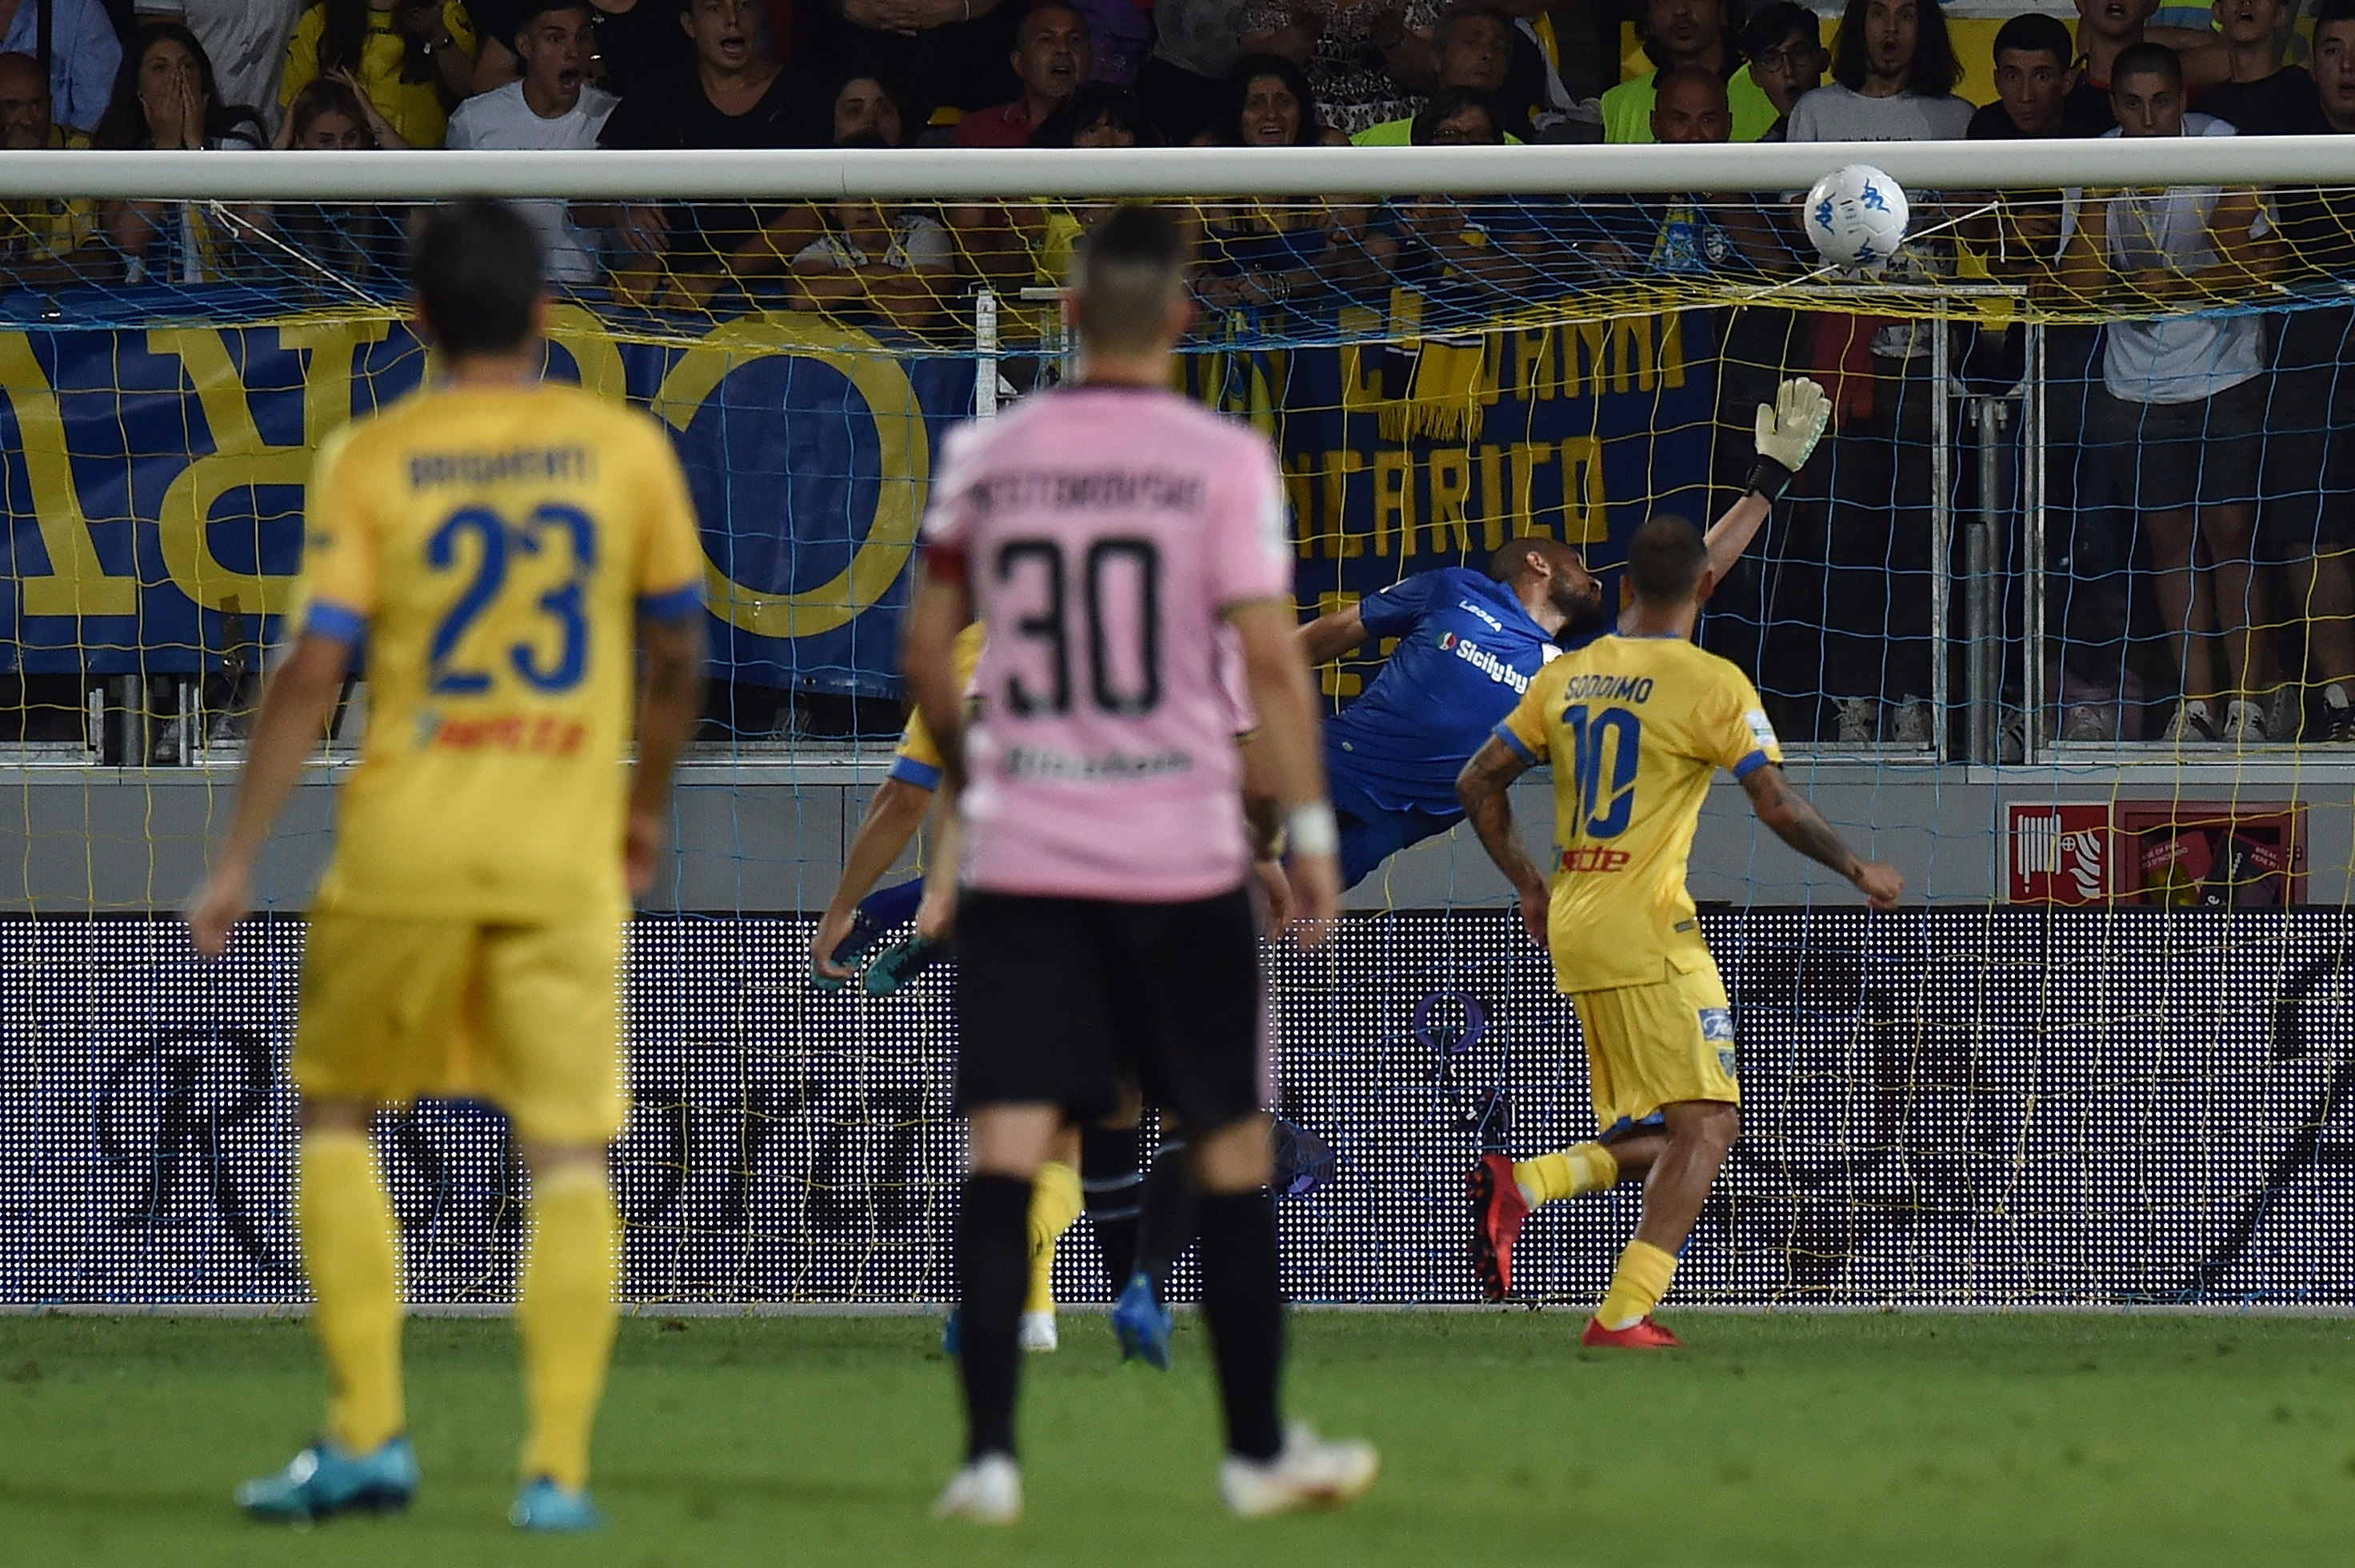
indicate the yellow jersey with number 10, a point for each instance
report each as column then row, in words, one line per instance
column 492, row 549
column 1636, row 728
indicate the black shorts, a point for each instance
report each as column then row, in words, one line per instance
column 2170, row 456
column 2309, row 471
column 1059, row 999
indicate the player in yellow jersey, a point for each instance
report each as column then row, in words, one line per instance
column 1635, row 726
column 509, row 549
column 856, row 917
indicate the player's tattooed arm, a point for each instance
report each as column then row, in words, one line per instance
column 1330, row 635
column 670, row 705
column 1484, row 786
column 1796, row 822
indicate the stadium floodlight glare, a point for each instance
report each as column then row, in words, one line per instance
column 826, row 173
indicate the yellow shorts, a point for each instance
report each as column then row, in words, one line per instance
column 1649, row 1046
column 525, row 1016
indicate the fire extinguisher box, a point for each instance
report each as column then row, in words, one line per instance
column 2211, row 854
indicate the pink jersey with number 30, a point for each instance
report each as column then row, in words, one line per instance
column 1103, row 531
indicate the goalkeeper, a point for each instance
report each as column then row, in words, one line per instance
column 1469, row 645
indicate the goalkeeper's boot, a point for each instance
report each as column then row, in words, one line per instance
column 901, row 962
column 545, row 1508
column 1498, row 1211
column 1641, row 1335
column 327, row 1478
column 988, row 1490
column 1036, row 1333
column 1142, row 1323
column 1308, row 1472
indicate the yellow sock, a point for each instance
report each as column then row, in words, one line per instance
column 566, row 1316
column 1642, row 1279
column 1055, row 1202
column 346, row 1228
column 1573, row 1173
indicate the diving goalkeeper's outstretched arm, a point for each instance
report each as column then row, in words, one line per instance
column 1787, row 431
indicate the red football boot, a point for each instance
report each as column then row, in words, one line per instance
column 1641, row 1335
column 1498, row 1211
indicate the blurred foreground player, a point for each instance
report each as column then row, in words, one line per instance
column 1636, row 725
column 1104, row 531
column 509, row 549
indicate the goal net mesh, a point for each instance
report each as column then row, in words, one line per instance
column 2057, row 619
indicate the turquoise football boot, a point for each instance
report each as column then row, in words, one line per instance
column 327, row 1478
column 901, row 963
column 545, row 1507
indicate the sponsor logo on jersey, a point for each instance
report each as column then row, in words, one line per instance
column 1761, row 731
column 1594, row 857
column 1484, row 661
column 1717, row 1023
column 1491, row 622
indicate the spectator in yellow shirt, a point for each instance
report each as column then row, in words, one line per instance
column 414, row 59
column 39, row 236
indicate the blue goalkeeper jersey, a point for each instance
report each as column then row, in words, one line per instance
column 1466, row 650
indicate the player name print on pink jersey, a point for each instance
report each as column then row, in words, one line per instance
column 1103, row 688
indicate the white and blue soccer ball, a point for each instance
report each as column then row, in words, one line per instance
column 1857, row 217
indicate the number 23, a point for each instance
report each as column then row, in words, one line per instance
column 563, row 603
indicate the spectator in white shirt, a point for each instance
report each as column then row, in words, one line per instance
column 1892, row 79
column 876, row 259
column 2182, row 403
column 552, row 106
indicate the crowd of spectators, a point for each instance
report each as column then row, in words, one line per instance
column 2220, row 437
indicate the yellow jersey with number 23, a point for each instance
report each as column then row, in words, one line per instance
column 1636, row 729
column 492, row 548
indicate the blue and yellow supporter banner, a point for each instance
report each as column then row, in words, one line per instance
column 153, row 477
column 1405, row 450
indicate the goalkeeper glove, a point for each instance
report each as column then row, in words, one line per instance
column 1788, row 428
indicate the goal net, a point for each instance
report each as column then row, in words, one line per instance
column 2058, row 620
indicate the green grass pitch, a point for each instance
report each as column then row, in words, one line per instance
column 1835, row 1440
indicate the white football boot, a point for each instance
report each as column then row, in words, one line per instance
column 1308, row 1473
column 988, row 1490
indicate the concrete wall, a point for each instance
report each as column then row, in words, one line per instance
column 770, row 834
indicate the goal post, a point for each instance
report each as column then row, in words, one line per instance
column 2093, row 1062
